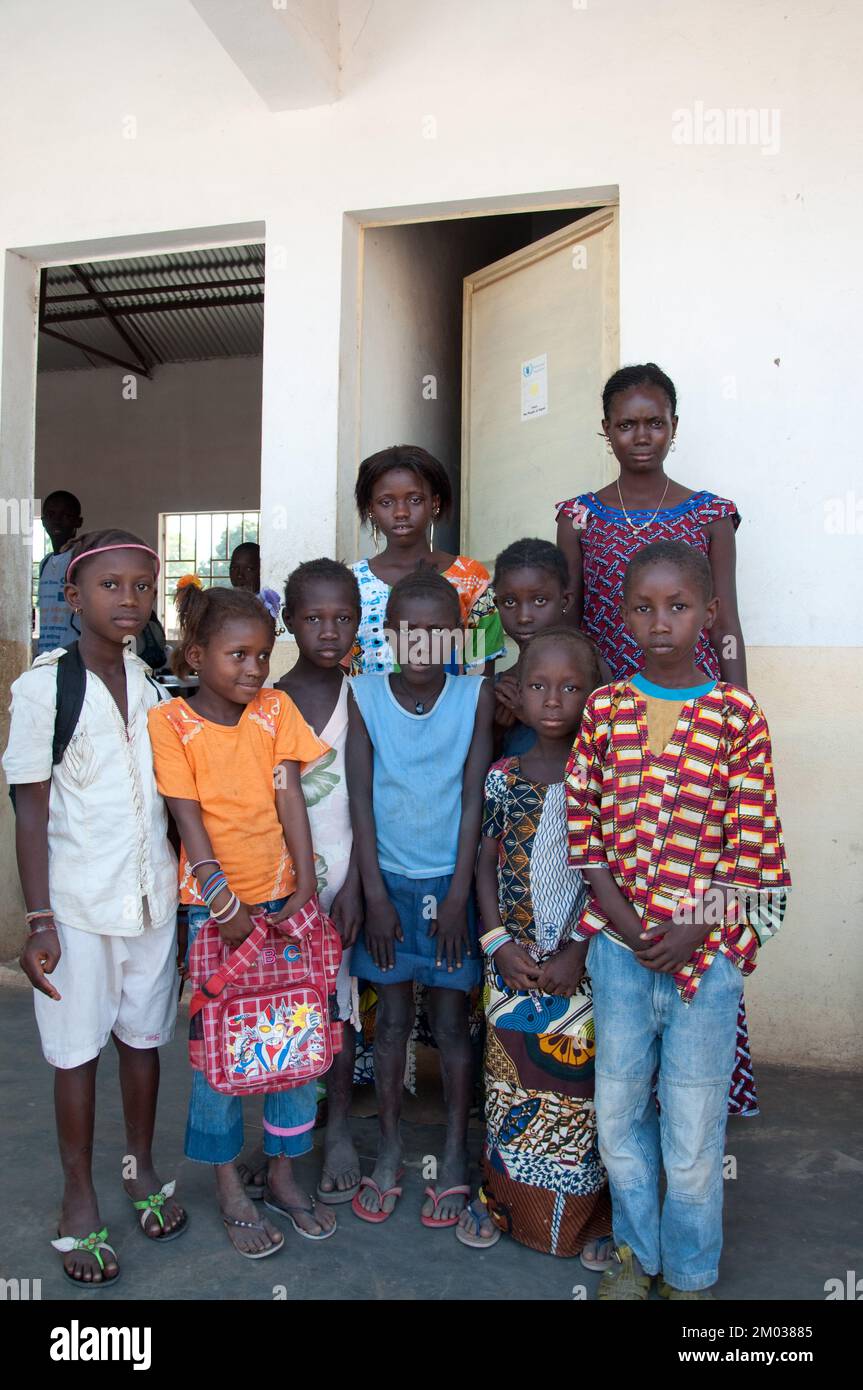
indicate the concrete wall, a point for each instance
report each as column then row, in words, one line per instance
column 190, row 441
column 738, row 274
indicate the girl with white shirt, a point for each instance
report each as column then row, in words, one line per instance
column 100, row 885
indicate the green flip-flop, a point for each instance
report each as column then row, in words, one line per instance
column 152, row 1206
column 94, row 1244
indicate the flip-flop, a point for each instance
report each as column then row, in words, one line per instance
column 376, row 1217
column 251, row 1226
column 600, row 1262
column 434, row 1221
column 95, row 1242
column 478, row 1212
column 336, row 1196
column 288, row 1212
column 152, row 1206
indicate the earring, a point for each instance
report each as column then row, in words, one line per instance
column 673, row 445
column 608, row 448
column 431, row 531
column 376, row 537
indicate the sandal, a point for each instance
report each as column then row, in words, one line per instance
column 623, row 1283
column 94, row 1243
column 376, row 1217
column 602, row 1257
column 252, row 1226
column 674, row 1295
column 152, row 1206
column 288, row 1211
column 336, row 1195
column 478, row 1212
column 434, row 1221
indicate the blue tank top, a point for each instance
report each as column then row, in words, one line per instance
column 418, row 768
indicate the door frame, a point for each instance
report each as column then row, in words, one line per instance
column 355, row 225
column 607, row 216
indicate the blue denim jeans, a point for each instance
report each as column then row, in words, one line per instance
column 643, row 1027
column 214, row 1129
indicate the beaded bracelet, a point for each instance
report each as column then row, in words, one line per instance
column 47, row 926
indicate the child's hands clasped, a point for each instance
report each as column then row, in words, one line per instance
column 450, row 929
column 562, row 973
column 517, row 969
column 667, row 951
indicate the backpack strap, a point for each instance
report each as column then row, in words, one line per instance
column 71, row 689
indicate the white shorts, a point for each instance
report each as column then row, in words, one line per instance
column 126, row 985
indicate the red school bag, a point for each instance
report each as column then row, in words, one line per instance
column 263, row 1017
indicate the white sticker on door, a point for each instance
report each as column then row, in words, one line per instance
column 534, row 387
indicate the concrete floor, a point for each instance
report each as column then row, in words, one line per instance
column 794, row 1215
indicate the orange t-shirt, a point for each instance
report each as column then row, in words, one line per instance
column 229, row 770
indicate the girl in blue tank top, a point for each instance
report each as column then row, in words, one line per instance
column 419, row 745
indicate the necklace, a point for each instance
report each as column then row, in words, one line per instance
column 419, row 705
column 644, row 524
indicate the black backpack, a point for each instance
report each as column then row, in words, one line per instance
column 71, row 689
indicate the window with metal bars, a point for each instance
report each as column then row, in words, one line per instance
column 198, row 543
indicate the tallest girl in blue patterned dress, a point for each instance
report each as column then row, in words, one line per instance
column 599, row 532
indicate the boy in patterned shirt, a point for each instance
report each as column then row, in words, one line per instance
column 671, row 818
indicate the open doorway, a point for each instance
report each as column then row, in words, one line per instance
column 148, row 404
column 453, row 308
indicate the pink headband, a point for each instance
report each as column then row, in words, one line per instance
column 120, row 545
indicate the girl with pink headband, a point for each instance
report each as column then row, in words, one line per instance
column 99, row 880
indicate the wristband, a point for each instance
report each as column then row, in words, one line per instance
column 40, row 912
column 228, row 912
column 493, row 940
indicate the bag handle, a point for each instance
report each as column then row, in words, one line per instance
column 245, row 955
column 237, row 964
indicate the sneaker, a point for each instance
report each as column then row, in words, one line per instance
column 626, row 1281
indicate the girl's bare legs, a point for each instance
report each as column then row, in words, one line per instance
column 395, row 1019
column 448, row 1015
column 341, row 1169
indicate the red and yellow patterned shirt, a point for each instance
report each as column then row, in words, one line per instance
column 668, row 825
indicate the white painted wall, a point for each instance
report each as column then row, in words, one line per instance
column 730, row 259
column 190, row 441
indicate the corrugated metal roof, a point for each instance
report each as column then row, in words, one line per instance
column 156, row 302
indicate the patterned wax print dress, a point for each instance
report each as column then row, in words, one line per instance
column 608, row 543
column 543, row 1179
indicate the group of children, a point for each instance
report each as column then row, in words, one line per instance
column 546, row 837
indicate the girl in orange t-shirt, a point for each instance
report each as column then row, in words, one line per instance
column 228, row 764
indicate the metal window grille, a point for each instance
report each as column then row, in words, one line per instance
column 198, row 543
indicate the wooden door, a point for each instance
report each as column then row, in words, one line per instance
column 540, row 340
